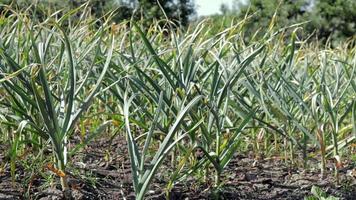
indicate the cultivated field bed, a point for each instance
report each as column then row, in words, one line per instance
column 95, row 110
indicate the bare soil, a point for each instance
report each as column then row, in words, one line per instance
column 102, row 171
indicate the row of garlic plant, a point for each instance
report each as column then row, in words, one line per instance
column 48, row 78
column 175, row 91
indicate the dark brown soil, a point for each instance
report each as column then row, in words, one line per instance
column 102, row 171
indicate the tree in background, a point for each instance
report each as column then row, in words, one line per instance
column 287, row 12
column 334, row 19
column 224, row 8
column 178, row 11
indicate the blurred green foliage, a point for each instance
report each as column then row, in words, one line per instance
column 325, row 19
column 178, row 11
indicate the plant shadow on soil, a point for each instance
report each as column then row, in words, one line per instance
column 102, row 171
